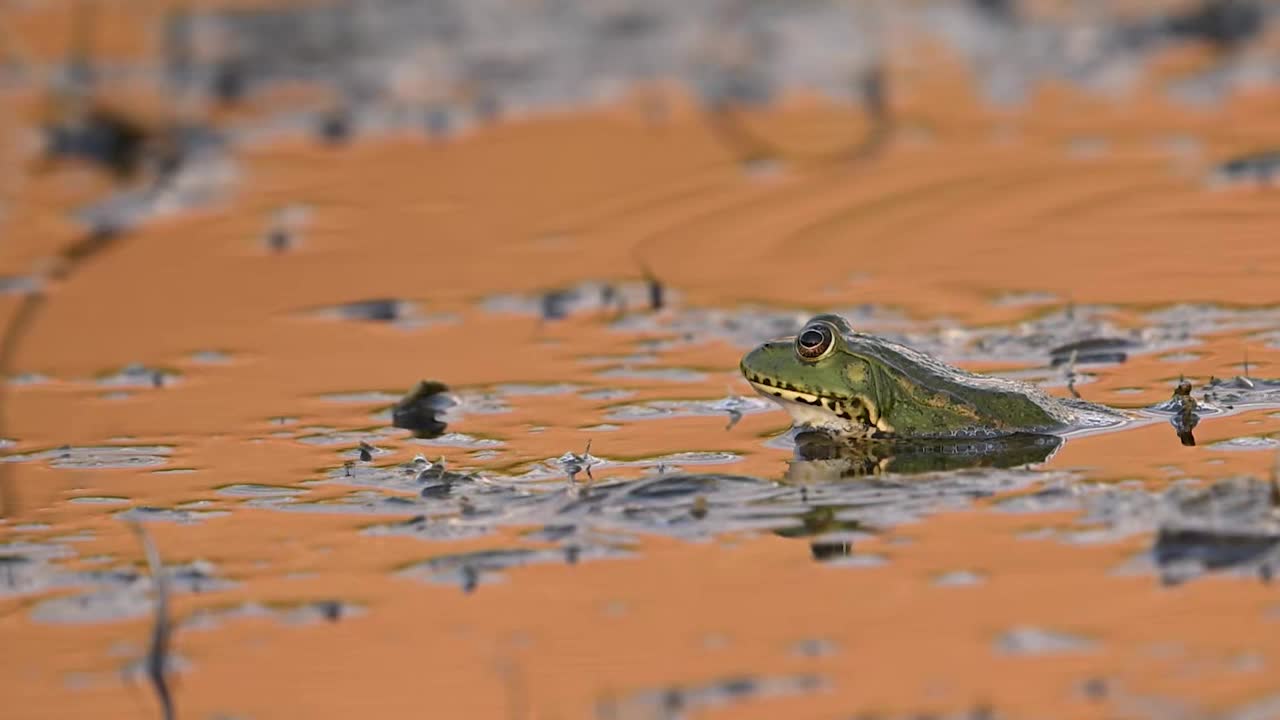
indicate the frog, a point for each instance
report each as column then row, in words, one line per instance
column 860, row 386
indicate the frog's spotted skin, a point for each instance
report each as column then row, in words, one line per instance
column 861, row 385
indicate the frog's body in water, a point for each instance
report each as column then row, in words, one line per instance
column 860, row 385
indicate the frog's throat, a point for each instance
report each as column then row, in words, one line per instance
column 830, row 410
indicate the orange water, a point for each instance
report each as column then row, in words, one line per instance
column 963, row 205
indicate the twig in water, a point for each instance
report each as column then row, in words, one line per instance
column 657, row 291
column 18, row 327
column 588, row 460
column 161, row 629
column 513, row 687
column 1071, row 375
column 1274, row 496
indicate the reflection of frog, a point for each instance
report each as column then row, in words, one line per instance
column 861, row 386
column 821, row 457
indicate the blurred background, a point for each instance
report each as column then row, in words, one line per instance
column 409, row 331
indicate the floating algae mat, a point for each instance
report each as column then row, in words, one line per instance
column 408, row 335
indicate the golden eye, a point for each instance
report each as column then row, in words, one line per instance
column 815, row 341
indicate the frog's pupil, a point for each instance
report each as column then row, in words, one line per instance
column 812, row 339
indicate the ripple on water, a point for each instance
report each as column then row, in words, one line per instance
column 301, row 612
column 125, row 594
column 468, row 570
column 1030, row 640
column 521, row 389
column 1248, row 442
column 366, row 397
column 456, row 439
column 959, row 578
column 30, row 378
column 137, row 375
column 556, row 468
column 349, row 437
column 608, row 394
column 423, row 527
column 693, row 697
column 98, row 500
column 210, row 357
column 259, row 491
column 691, row 408
column 679, row 375
column 174, row 515
column 98, row 457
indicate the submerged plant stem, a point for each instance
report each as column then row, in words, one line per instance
column 161, row 629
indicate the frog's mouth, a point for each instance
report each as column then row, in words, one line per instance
column 850, row 415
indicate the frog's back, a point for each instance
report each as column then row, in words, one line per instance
column 924, row 397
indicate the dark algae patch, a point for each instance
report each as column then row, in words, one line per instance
column 420, row 411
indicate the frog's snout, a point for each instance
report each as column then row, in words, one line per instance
column 769, row 360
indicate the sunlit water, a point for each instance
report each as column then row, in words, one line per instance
column 611, row 524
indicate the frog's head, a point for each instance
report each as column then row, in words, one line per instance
column 819, row 380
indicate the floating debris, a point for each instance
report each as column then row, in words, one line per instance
column 101, row 137
column 285, row 228
column 683, row 700
column 1260, row 168
column 139, row 375
column 420, row 411
column 1222, row 23
column 572, row 463
column 657, row 291
column 380, row 310
column 555, row 304
column 1241, row 390
column 336, row 126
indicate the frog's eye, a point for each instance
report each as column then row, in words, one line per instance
column 815, row 341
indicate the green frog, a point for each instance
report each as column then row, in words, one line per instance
column 856, row 385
